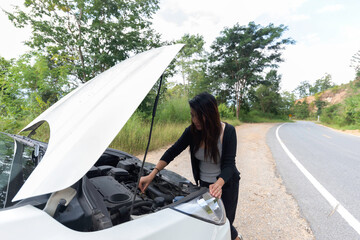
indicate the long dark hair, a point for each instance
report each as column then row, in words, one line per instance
column 205, row 107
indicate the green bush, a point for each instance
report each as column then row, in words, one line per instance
column 329, row 114
column 226, row 112
column 301, row 110
column 174, row 110
column 343, row 115
column 352, row 110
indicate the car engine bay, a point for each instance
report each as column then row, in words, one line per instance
column 105, row 195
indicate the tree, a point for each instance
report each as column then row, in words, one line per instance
column 90, row 36
column 288, row 100
column 30, row 85
column 322, row 84
column 241, row 53
column 303, row 90
column 355, row 63
column 190, row 59
column 198, row 81
column 267, row 95
column 301, row 110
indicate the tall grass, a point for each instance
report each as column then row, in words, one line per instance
column 133, row 137
column 172, row 118
column 174, row 110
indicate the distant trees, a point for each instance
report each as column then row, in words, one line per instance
column 355, row 63
column 267, row 94
column 191, row 59
column 305, row 89
column 241, row 54
column 301, row 110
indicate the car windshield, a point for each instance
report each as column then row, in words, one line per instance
column 15, row 168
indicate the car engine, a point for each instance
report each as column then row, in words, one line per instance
column 105, row 195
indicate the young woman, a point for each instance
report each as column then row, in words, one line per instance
column 212, row 149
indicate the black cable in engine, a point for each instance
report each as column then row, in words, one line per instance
column 148, row 144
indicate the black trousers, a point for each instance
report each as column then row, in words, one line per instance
column 229, row 196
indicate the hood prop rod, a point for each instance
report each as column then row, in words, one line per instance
column 148, row 144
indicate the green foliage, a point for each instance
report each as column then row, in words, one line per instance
column 331, row 114
column 30, row 85
column 267, row 99
column 335, row 89
column 241, row 53
column 198, row 81
column 355, row 63
column 89, row 36
column 288, row 101
column 343, row 114
column 225, row 112
column 322, row 84
column 174, row 110
column 191, row 60
column 301, row 110
column 352, row 110
column 255, row 116
column 305, row 89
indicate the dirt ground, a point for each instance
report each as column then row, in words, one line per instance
column 265, row 210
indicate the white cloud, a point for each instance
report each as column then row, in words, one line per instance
column 299, row 17
column 209, row 17
column 331, row 8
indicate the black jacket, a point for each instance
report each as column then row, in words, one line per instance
column 228, row 167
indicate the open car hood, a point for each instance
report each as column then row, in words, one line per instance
column 84, row 122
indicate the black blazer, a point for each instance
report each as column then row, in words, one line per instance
column 227, row 160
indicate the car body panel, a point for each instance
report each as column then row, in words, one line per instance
column 26, row 222
column 83, row 123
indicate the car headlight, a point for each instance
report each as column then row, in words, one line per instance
column 204, row 207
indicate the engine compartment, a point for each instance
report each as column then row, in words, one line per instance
column 105, row 194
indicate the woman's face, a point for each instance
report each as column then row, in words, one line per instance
column 195, row 120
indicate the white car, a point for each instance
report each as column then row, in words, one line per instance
column 75, row 187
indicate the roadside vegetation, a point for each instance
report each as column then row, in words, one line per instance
column 240, row 70
column 343, row 115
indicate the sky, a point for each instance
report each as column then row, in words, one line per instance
column 327, row 32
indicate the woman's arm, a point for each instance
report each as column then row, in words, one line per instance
column 181, row 144
column 146, row 180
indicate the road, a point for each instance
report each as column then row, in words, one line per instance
column 321, row 170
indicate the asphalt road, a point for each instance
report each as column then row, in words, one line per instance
column 321, row 170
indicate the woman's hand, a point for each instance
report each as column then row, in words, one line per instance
column 215, row 189
column 144, row 182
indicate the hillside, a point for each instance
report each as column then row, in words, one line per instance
column 332, row 96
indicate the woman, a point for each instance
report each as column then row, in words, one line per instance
column 212, row 149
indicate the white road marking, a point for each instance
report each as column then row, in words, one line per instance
column 345, row 214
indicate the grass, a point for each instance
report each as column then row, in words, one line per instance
column 341, row 127
column 133, row 137
column 259, row 117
